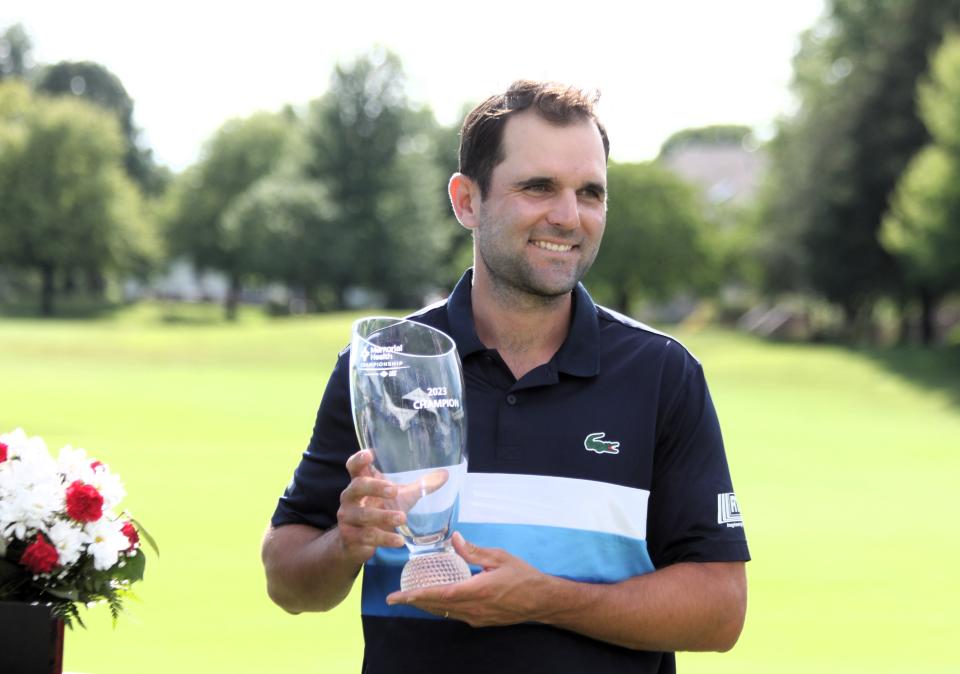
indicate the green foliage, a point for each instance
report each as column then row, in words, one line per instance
column 65, row 201
column 377, row 156
column 939, row 95
column 98, row 85
column 656, row 243
column 15, row 48
column 835, row 164
column 241, row 152
column 922, row 227
column 286, row 229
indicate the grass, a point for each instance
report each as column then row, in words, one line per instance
column 844, row 463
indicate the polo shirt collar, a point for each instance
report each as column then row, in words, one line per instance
column 579, row 355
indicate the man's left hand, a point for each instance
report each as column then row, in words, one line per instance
column 506, row 592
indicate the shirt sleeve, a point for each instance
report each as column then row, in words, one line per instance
column 693, row 512
column 313, row 496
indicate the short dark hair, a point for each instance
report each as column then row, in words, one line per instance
column 481, row 136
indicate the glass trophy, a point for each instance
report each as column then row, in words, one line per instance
column 406, row 389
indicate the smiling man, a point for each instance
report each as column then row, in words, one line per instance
column 598, row 506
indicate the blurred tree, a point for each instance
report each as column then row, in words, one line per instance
column 15, row 58
column 837, row 161
column 922, row 227
column 241, row 152
column 374, row 151
column 96, row 83
column 65, row 201
column 656, row 243
column 285, row 228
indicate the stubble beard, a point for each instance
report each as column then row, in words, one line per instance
column 513, row 280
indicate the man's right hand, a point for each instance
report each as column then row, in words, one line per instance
column 363, row 521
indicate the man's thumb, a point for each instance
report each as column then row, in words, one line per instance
column 473, row 554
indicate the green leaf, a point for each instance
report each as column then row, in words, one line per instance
column 71, row 595
column 146, row 535
column 132, row 569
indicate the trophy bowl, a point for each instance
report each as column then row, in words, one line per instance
column 406, row 390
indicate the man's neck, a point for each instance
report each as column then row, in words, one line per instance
column 525, row 330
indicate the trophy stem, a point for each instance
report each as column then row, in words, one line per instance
column 440, row 567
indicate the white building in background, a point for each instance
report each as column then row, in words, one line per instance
column 181, row 282
column 727, row 173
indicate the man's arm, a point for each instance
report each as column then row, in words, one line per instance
column 311, row 570
column 683, row 607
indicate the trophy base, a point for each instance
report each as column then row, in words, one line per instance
column 434, row 568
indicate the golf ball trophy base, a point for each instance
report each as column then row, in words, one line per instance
column 433, row 568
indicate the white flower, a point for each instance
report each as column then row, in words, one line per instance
column 13, row 440
column 109, row 486
column 74, row 464
column 29, row 500
column 107, row 541
column 32, row 463
column 69, row 540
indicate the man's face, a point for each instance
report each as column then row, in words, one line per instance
column 540, row 225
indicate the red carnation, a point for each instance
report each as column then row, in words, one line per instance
column 40, row 556
column 84, row 502
column 95, row 464
column 130, row 532
column 3, row 452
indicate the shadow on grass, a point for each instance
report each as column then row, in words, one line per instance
column 145, row 312
column 933, row 369
column 65, row 310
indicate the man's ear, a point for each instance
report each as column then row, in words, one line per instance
column 465, row 199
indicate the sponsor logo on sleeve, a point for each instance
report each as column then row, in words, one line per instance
column 728, row 511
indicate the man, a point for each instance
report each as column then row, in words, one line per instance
column 598, row 505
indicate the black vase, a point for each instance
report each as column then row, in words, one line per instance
column 31, row 639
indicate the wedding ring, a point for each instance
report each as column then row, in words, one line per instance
column 446, row 614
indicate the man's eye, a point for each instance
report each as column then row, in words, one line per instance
column 538, row 187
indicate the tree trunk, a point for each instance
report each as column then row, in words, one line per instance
column 233, row 298
column 904, row 332
column 96, row 284
column 928, row 317
column 47, row 290
column 69, row 282
column 623, row 301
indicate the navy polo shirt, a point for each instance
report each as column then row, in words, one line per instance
column 605, row 463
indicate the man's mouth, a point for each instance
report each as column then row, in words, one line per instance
column 554, row 247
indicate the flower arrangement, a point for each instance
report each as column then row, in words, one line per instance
column 61, row 541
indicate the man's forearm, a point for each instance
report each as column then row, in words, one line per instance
column 684, row 607
column 306, row 568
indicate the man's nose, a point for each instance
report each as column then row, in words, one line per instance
column 565, row 210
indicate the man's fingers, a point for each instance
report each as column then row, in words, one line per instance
column 358, row 516
column 361, row 487
column 360, row 462
column 474, row 554
column 364, row 540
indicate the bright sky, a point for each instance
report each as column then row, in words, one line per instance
column 660, row 66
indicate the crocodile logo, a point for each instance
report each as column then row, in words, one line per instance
column 595, row 443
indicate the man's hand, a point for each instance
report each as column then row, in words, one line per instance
column 507, row 591
column 686, row 606
column 365, row 520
